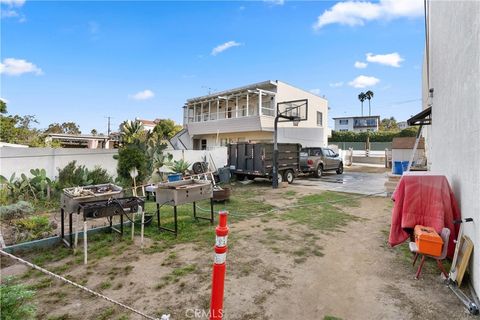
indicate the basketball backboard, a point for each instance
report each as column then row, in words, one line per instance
column 296, row 110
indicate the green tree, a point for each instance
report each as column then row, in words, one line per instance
column 167, row 128
column 362, row 97
column 132, row 156
column 3, row 107
column 66, row 127
column 94, row 132
column 388, row 124
column 369, row 96
column 132, row 131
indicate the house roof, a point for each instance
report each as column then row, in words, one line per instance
column 356, row 117
column 78, row 136
column 407, row 143
column 230, row 91
column 148, row 122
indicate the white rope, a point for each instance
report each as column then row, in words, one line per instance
column 79, row 286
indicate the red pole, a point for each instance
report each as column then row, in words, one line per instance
column 219, row 267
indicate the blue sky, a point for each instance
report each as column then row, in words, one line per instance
column 83, row 61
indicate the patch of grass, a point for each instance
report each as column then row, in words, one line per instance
column 65, row 316
column 106, row 314
column 323, row 211
column 331, row 318
column 105, row 285
column 176, row 275
column 42, row 284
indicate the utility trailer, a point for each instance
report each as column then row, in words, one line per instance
column 255, row 160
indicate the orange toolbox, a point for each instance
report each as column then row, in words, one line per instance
column 428, row 241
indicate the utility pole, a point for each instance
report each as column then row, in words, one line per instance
column 108, row 130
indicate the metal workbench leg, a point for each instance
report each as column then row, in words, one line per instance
column 62, row 219
column 195, row 211
column 70, row 223
column 121, row 224
column 175, row 219
column 158, row 216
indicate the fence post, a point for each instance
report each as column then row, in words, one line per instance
column 219, row 267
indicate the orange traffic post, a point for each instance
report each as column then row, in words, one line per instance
column 219, row 267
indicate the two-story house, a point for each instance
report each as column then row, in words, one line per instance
column 247, row 114
column 357, row 124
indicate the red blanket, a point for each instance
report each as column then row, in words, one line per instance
column 427, row 200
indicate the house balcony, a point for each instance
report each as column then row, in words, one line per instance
column 214, row 125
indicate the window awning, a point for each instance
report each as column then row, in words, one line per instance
column 421, row 118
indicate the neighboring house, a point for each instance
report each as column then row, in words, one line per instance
column 148, row 125
column 357, row 124
column 453, row 78
column 83, row 140
column 402, row 125
column 247, row 114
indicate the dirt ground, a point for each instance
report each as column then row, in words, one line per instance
column 367, row 169
column 276, row 269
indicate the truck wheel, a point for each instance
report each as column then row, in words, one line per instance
column 251, row 177
column 288, row 176
column 240, row 177
column 319, row 171
column 340, row 168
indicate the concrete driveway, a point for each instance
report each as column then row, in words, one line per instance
column 353, row 182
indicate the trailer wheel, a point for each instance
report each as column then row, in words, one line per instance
column 288, row 176
column 240, row 177
column 280, row 178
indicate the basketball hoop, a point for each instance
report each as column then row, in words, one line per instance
column 288, row 111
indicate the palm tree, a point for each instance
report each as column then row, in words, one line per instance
column 369, row 96
column 131, row 130
column 362, row 98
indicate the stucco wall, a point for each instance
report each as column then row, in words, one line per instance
column 454, row 142
column 21, row 160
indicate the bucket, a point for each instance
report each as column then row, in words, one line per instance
column 174, row 177
column 405, row 165
column 397, row 167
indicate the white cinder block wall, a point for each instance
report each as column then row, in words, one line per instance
column 454, row 141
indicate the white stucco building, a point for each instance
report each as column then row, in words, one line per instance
column 452, row 71
column 247, row 114
column 357, row 124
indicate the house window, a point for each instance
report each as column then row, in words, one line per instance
column 204, row 144
column 343, row 129
column 343, row 121
column 319, row 119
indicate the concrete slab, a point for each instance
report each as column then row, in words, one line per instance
column 353, row 182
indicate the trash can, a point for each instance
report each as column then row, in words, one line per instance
column 224, row 174
column 405, row 165
column 397, row 167
column 174, row 177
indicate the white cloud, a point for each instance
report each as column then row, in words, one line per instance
column 143, row 95
column 315, row 91
column 224, row 46
column 360, row 65
column 16, row 3
column 390, row 59
column 364, row 81
column 336, row 84
column 357, row 13
column 9, row 13
column 276, row 2
column 16, row 67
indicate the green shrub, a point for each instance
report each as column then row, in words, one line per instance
column 72, row 176
column 179, row 166
column 98, row 176
column 379, row 136
column 129, row 157
column 32, row 228
column 16, row 210
column 16, row 301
